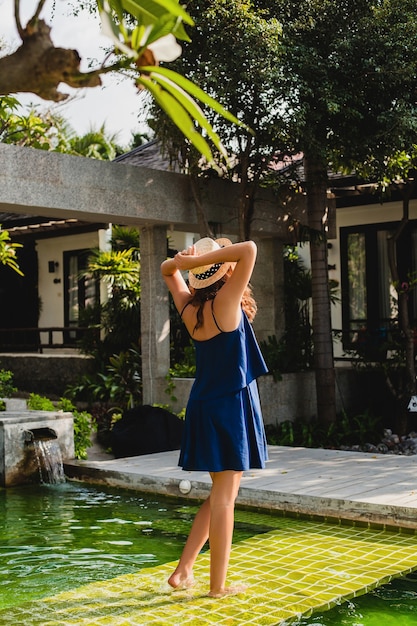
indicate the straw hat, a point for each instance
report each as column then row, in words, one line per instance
column 206, row 275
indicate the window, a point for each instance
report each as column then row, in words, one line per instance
column 81, row 289
column 369, row 299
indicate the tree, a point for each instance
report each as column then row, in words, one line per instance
column 143, row 34
column 340, row 85
column 232, row 55
column 346, row 91
column 46, row 130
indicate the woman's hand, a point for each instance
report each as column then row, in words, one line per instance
column 186, row 259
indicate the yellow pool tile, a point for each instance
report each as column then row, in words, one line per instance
column 297, row 568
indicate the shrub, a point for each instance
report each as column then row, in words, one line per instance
column 40, row 403
column 6, row 384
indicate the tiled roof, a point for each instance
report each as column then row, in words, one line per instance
column 149, row 155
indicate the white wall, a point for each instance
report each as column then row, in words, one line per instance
column 181, row 241
column 52, row 293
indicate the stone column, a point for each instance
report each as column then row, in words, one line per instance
column 154, row 314
column 268, row 287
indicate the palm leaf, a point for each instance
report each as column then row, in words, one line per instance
column 155, row 8
column 198, row 93
column 178, row 114
column 190, row 106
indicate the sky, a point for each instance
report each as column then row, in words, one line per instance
column 117, row 104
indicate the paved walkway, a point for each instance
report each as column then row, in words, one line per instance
column 328, row 483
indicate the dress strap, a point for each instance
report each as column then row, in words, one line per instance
column 214, row 317
column 183, row 309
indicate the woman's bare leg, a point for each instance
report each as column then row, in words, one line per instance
column 183, row 574
column 222, row 504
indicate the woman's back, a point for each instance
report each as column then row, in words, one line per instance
column 227, row 362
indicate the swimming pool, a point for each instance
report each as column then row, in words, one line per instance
column 59, row 537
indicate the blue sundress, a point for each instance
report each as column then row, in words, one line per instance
column 223, row 423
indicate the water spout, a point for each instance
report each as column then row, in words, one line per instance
column 48, row 454
column 38, row 434
column 20, row 432
column 51, row 467
column 49, row 458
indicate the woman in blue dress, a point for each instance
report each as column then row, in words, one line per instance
column 223, row 431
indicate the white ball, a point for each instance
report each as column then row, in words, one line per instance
column 185, row 486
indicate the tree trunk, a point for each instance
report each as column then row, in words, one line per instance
column 316, row 183
column 204, row 227
column 246, row 195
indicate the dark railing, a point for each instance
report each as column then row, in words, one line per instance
column 37, row 338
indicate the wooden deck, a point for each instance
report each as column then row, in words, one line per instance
column 329, row 483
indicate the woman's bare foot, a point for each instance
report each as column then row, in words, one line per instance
column 228, row 591
column 177, row 580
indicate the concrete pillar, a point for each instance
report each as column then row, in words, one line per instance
column 154, row 314
column 268, row 287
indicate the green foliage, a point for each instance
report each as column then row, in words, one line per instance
column 274, row 353
column 37, row 402
column 232, row 55
column 185, row 369
column 7, row 388
column 119, row 268
column 327, row 47
column 123, row 237
column 293, row 352
column 119, row 317
column 65, row 404
column 117, row 358
column 123, row 379
column 117, row 378
column 170, row 391
column 120, row 383
column 345, row 431
column 23, row 130
column 8, row 251
column 45, row 130
column 95, row 144
column 83, row 427
column 177, row 96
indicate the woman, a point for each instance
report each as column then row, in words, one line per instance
column 223, row 431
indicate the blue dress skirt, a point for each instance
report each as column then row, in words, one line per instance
column 223, row 423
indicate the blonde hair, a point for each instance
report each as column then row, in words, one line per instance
column 200, row 296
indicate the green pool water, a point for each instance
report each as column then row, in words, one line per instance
column 59, row 537
column 392, row 605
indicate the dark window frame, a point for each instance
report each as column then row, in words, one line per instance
column 373, row 322
column 82, row 255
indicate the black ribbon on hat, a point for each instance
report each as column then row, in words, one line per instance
column 208, row 273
